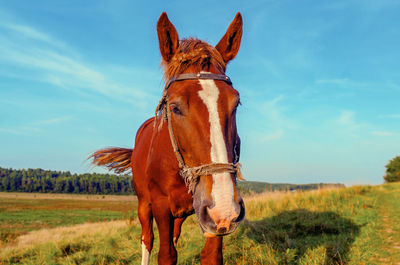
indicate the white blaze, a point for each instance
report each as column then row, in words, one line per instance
column 145, row 255
column 222, row 190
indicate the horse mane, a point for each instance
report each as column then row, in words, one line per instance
column 193, row 53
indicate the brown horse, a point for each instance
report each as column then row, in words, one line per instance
column 185, row 158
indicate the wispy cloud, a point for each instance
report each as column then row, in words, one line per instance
column 51, row 61
column 55, row 120
column 34, row 127
column 378, row 5
column 10, row 131
column 273, row 112
column 393, row 85
column 343, row 82
column 346, row 118
column 394, row 116
column 27, row 32
column 22, row 130
column 278, row 134
column 369, row 5
column 274, row 120
column 333, row 81
column 271, row 67
column 347, row 124
column 382, row 133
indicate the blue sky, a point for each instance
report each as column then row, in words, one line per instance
column 319, row 82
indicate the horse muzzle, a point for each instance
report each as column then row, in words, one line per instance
column 219, row 221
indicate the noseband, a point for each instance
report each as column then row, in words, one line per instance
column 191, row 174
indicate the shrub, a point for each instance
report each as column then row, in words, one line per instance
column 393, row 170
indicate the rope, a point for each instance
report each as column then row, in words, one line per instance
column 190, row 175
column 178, row 154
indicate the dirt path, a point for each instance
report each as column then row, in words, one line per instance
column 390, row 212
column 394, row 246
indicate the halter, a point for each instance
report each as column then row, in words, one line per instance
column 191, row 174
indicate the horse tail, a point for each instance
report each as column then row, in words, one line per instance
column 114, row 158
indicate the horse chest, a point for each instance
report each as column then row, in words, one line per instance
column 181, row 203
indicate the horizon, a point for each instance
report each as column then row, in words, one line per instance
column 319, row 83
column 129, row 174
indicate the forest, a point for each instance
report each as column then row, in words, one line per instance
column 49, row 181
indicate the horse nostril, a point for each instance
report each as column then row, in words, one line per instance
column 203, row 214
column 221, row 230
column 223, row 226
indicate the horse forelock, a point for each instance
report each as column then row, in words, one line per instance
column 193, row 53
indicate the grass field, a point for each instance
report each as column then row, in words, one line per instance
column 24, row 212
column 357, row 225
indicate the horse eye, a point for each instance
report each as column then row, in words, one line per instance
column 176, row 110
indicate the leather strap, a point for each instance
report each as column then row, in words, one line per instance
column 192, row 76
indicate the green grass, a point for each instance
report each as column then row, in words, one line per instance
column 33, row 219
column 357, row 225
column 20, row 214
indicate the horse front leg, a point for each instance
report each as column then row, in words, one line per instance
column 177, row 228
column 147, row 236
column 167, row 254
column 212, row 251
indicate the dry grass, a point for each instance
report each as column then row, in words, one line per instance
column 278, row 195
column 269, row 203
column 65, row 234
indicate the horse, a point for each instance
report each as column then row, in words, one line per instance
column 186, row 158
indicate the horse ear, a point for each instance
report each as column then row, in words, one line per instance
column 167, row 37
column 229, row 45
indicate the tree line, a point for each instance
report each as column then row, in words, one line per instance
column 249, row 187
column 48, row 181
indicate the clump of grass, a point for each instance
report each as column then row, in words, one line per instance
column 8, row 236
